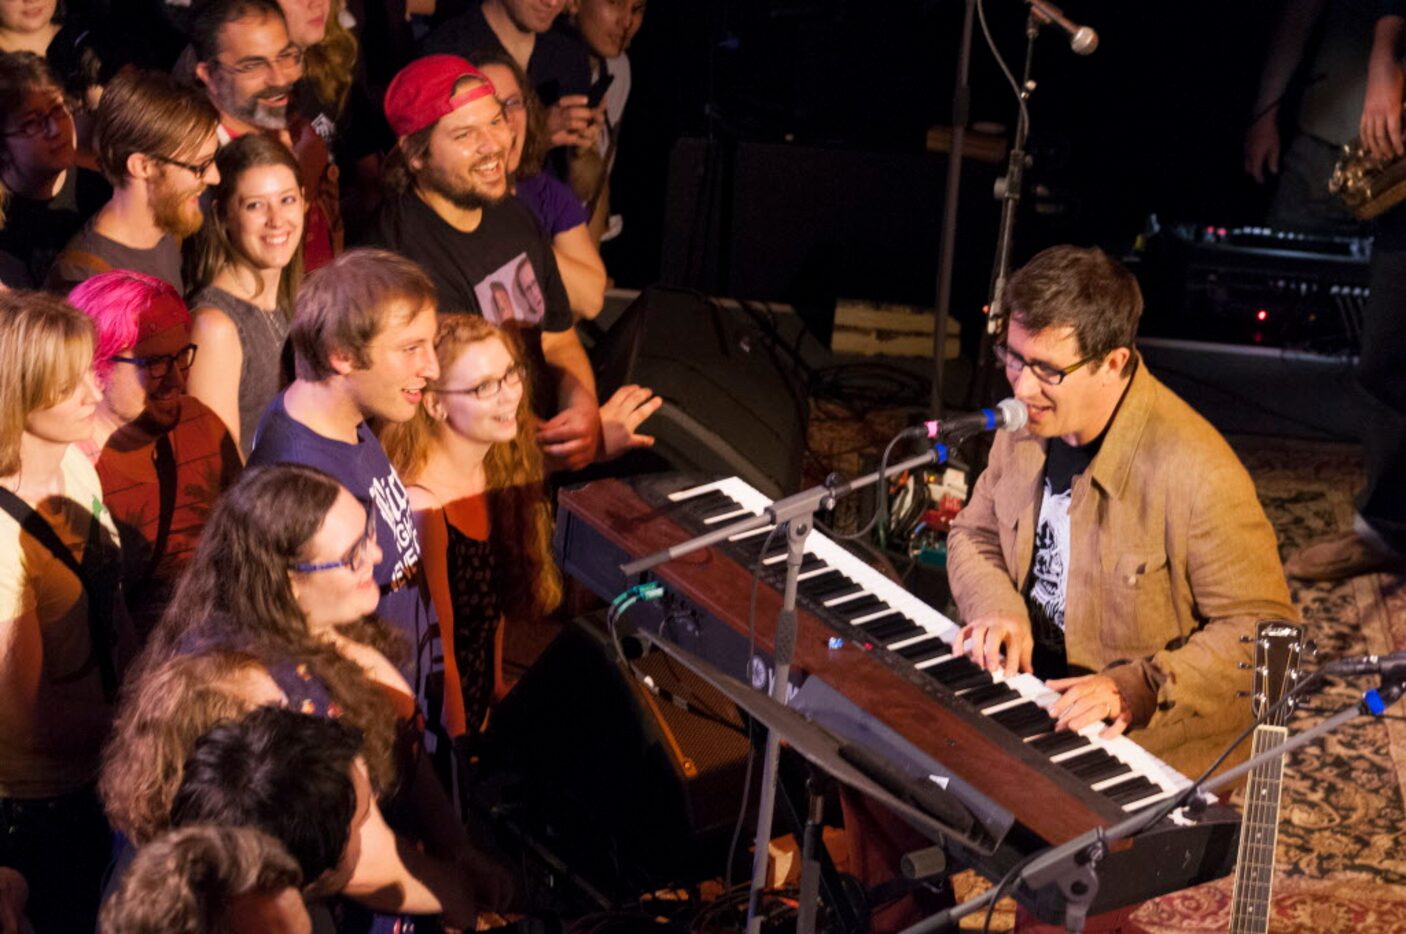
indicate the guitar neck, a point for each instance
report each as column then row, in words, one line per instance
column 1254, row 870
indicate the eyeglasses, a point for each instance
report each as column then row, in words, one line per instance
column 291, row 57
column 198, row 169
column 489, row 388
column 1047, row 373
column 355, row 558
column 36, row 125
column 514, row 103
column 159, row 366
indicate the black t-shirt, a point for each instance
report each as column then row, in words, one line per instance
column 559, row 64
column 504, row 270
column 37, row 231
column 1049, row 571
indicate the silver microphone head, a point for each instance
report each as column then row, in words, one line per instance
column 1084, row 41
column 1014, row 414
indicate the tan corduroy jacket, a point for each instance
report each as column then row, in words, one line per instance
column 1171, row 562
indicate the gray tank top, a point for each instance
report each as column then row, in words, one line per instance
column 262, row 336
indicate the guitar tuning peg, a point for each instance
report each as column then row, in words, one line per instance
column 1243, row 694
column 1244, row 666
column 1310, row 648
column 1247, row 639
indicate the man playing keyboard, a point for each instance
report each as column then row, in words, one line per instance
column 1115, row 546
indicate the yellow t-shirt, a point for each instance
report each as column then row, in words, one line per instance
column 53, row 715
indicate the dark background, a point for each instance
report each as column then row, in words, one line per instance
column 1151, row 122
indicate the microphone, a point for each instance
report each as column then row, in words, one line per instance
column 1009, row 414
column 1082, row 39
column 1368, row 665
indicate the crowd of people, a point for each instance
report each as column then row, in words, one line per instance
column 287, row 356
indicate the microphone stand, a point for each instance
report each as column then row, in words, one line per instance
column 797, row 513
column 1073, row 865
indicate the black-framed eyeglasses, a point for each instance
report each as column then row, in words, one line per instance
column 36, row 125
column 159, row 366
column 1047, row 373
column 290, row 57
column 489, row 388
column 356, row 557
column 198, row 169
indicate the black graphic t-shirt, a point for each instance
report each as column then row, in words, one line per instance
column 503, row 270
column 1049, row 572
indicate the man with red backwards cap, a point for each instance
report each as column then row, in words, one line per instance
column 448, row 209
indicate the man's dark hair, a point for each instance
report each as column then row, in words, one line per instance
column 1080, row 288
column 287, row 774
column 206, row 25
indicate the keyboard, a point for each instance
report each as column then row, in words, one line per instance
column 873, row 665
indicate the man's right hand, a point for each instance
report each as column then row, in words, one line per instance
column 1381, row 110
column 997, row 642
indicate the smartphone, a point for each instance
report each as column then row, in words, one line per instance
column 597, row 92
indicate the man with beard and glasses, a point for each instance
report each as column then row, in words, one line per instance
column 155, row 142
column 449, row 211
column 251, row 68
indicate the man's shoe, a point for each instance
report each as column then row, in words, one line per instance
column 1345, row 555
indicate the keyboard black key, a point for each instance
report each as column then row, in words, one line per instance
column 814, row 586
column 1054, row 743
column 712, row 503
column 839, row 593
column 925, row 650
column 990, row 695
column 1095, row 766
column 891, row 630
column 864, row 606
column 1134, row 789
column 811, row 563
column 1027, row 719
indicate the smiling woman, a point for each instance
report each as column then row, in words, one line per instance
column 66, row 637
column 248, row 263
column 27, row 25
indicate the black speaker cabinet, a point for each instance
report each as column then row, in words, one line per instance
column 732, row 406
column 625, row 788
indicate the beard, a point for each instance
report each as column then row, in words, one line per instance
column 456, row 191
column 257, row 111
column 172, row 210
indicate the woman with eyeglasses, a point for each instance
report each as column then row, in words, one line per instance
column 283, row 574
column 48, row 195
column 556, row 207
column 247, row 266
column 65, row 634
column 474, row 473
column 162, row 455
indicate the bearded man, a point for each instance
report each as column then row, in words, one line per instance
column 155, row 142
column 450, row 212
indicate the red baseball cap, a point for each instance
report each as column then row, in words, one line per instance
column 423, row 92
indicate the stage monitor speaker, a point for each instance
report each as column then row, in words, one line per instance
column 626, row 788
column 732, row 405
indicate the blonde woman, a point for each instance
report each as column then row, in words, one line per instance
column 65, row 633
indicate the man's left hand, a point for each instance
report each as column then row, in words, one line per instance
column 1090, row 699
column 571, row 438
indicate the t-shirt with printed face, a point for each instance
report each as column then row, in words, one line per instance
column 503, row 270
column 365, row 471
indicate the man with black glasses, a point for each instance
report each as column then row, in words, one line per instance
column 155, row 141
column 1115, row 547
